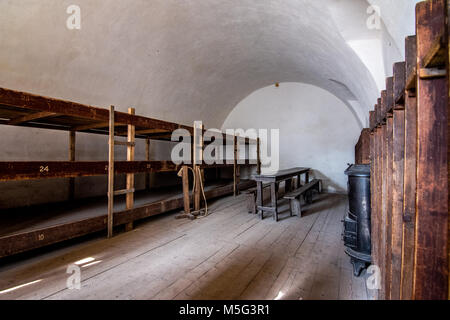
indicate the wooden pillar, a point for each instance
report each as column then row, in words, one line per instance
column 236, row 169
column 111, row 173
column 389, row 190
column 383, row 180
column 431, row 247
column 147, row 157
column 258, row 156
column 72, row 144
column 410, row 168
column 398, row 144
column 186, row 195
column 131, row 139
column 198, row 158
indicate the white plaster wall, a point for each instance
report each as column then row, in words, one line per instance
column 317, row 129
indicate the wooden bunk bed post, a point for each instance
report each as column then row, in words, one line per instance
column 198, row 159
column 72, row 143
column 258, row 156
column 186, row 195
column 147, row 157
column 130, row 177
column 111, row 173
column 236, row 171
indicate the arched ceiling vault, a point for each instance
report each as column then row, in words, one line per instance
column 185, row 60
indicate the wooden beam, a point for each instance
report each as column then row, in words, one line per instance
column 411, row 63
column 72, row 144
column 410, row 169
column 30, row 170
column 131, row 139
column 388, row 203
column 111, row 173
column 431, row 247
column 25, row 100
column 31, row 117
column 186, row 191
column 399, row 84
column 397, row 201
column 147, row 157
column 235, row 166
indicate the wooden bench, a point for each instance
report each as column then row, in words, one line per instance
column 306, row 191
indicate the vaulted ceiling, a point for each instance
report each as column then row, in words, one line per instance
column 186, row 60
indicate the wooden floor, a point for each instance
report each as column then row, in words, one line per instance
column 229, row 255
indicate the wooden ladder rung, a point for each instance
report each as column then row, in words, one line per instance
column 124, row 191
column 125, row 143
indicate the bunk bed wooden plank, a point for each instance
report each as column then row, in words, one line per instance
column 32, row 170
column 24, row 100
column 25, row 241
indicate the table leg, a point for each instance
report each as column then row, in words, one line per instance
column 307, row 178
column 259, row 198
column 299, row 181
column 274, row 198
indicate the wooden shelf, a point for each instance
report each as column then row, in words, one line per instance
column 32, row 170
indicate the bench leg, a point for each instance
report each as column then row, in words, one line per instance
column 259, row 198
column 251, row 203
column 274, row 196
column 296, row 208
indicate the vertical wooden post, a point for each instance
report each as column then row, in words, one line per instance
column 431, row 248
column 397, row 178
column 383, row 221
column 186, row 195
column 198, row 159
column 410, row 169
column 236, row 170
column 388, row 203
column 72, row 144
column 131, row 139
column 111, row 173
column 147, row 157
column 258, row 156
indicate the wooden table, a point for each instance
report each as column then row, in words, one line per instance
column 274, row 179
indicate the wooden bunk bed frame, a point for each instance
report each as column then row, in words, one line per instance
column 29, row 110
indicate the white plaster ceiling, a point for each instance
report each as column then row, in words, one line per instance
column 186, row 60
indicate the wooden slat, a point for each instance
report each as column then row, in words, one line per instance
column 130, row 176
column 431, row 252
column 411, row 63
column 410, row 168
column 72, row 145
column 31, row 117
column 389, row 96
column 383, row 206
column 65, row 169
column 388, row 205
column 62, row 107
column 397, row 201
column 399, row 84
column 111, row 172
